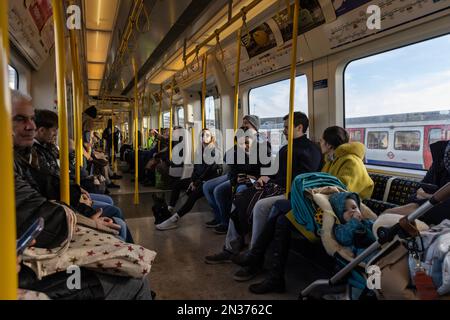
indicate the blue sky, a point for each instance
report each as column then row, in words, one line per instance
column 410, row 79
column 415, row 78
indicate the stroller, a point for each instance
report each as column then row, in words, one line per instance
column 396, row 239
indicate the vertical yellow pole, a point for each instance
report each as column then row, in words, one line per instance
column 79, row 143
column 136, row 133
column 59, row 21
column 8, row 265
column 292, row 97
column 205, row 63
column 236, row 79
column 171, row 119
column 76, row 105
column 160, row 115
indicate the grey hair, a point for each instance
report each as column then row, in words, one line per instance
column 17, row 97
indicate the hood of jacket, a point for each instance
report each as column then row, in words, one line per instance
column 354, row 148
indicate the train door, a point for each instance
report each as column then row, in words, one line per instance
column 378, row 148
column 408, row 147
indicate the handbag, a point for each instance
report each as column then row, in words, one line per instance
column 93, row 248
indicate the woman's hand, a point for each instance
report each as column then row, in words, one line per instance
column 422, row 195
column 105, row 221
column 261, row 182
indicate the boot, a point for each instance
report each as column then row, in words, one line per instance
column 274, row 281
column 255, row 256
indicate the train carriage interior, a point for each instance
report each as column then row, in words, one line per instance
column 198, row 139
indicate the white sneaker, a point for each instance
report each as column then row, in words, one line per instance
column 171, row 209
column 170, row 223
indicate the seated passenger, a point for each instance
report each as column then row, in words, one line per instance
column 31, row 204
column 353, row 231
column 344, row 160
column 218, row 191
column 193, row 186
column 437, row 176
column 46, row 122
column 306, row 158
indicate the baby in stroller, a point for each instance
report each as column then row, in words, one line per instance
column 353, row 231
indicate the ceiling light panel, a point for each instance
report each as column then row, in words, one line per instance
column 94, row 84
column 100, row 14
column 95, row 71
column 97, row 45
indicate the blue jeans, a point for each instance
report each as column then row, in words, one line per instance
column 217, row 192
column 101, row 201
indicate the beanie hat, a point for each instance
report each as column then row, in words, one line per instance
column 254, row 121
column 337, row 201
column 91, row 112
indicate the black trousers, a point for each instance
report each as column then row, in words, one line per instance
column 182, row 185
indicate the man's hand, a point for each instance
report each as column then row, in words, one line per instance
column 261, row 182
column 105, row 221
column 421, row 194
column 85, row 193
column 191, row 186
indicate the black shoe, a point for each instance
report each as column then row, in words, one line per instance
column 246, row 259
column 245, row 273
column 267, row 286
column 212, row 224
column 221, row 229
column 222, row 257
column 116, row 177
column 112, row 185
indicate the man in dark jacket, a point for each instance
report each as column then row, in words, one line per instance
column 31, row 204
column 306, row 157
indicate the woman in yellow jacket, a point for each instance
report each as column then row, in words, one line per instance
column 344, row 160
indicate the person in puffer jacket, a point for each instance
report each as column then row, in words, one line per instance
column 353, row 230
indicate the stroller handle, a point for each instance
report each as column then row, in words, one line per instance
column 443, row 194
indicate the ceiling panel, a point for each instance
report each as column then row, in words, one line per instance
column 97, row 45
column 93, row 92
column 94, row 84
column 95, row 71
column 100, row 14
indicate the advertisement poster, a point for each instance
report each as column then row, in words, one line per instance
column 311, row 16
column 343, row 6
column 259, row 40
column 40, row 11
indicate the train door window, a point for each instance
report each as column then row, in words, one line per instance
column 271, row 104
column 180, row 116
column 407, row 140
column 210, row 113
column 377, row 140
column 166, row 119
column 435, row 135
column 384, row 91
column 13, row 78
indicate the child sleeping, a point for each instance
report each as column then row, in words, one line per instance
column 353, row 231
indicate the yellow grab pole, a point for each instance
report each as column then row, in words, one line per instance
column 193, row 144
column 205, row 63
column 236, row 79
column 76, row 106
column 59, row 21
column 136, row 133
column 80, row 147
column 171, row 119
column 8, row 265
column 160, row 115
column 292, row 97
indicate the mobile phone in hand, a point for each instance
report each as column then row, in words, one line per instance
column 32, row 232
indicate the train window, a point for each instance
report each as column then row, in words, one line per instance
column 435, row 135
column 377, row 140
column 271, row 104
column 180, row 116
column 384, row 91
column 407, row 140
column 166, row 119
column 210, row 113
column 13, row 78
